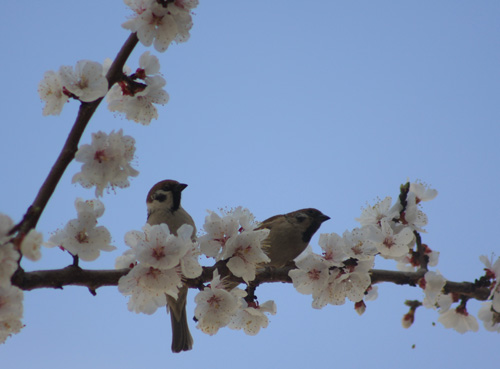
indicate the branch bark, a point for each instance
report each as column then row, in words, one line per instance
column 93, row 279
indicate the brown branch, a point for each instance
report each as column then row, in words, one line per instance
column 70, row 147
column 93, row 279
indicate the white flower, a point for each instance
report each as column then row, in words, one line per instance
column 106, row 162
column 422, row 192
column 157, row 247
column 333, row 248
column 351, row 282
column 126, row 260
column 148, row 286
column 11, row 311
column 252, row 318
column 149, row 64
column 6, row 225
column 356, row 245
column 371, row 293
column 86, row 81
column 50, row 90
column 215, row 306
column 490, row 318
column 372, row 215
column 388, row 243
column 434, row 283
column 95, row 206
column 30, row 246
column 245, row 254
column 161, row 24
column 219, row 229
column 459, row 319
column 139, row 106
column 8, row 263
column 311, row 275
column 413, row 216
column 190, row 265
column 81, row 237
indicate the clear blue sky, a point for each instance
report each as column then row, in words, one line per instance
column 274, row 106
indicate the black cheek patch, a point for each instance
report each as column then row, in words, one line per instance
column 160, row 197
column 310, row 231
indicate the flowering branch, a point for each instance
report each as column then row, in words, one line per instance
column 93, row 279
column 70, row 147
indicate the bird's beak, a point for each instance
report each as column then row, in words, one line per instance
column 324, row 218
column 181, row 186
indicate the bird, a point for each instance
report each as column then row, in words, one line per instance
column 164, row 206
column 290, row 234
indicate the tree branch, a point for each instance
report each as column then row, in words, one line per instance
column 93, row 279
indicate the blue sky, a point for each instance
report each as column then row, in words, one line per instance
column 275, row 107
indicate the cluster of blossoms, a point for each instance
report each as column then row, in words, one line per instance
column 106, row 161
column 81, row 236
column 87, row 82
column 221, row 304
column 159, row 261
column 135, row 99
column 342, row 270
column 232, row 236
column 11, row 297
column 490, row 310
column 160, row 22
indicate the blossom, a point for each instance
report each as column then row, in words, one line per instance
column 157, row 247
column 215, row 306
column 81, row 236
column 434, row 283
column 356, row 245
column 148, row 286
column 8, row 263
column 372, row 215
column 387, row 242
column 150, row 64
column 422, row 192
column 86, row 80
column 251, row 317
column 459, row 319
column 220, row 228
column 311, row 275
column 6, row 225
column 50, row 90
column 30, row 245
column 158, row 260
column 413, row 216
column 11, row 311
column 139, row 106
column 350, row 282
column 95, row 206
column 106, row 161
column 333, row 248
column 245, row 254
column 490, row 317
column 493, row 272
column 159, row 23
column 135, row 99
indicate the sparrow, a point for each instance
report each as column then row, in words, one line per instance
column 164, row 206
column 290, row 234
